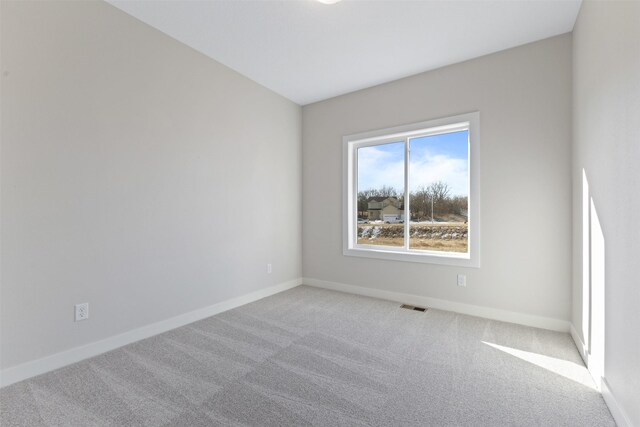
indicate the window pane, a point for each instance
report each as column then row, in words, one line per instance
column 380, row 190
column 439, row 191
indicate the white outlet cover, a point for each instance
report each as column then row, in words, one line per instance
column 462, row 280
column 81, row 311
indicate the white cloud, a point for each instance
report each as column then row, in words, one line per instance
column 440, row 168
column 377, row 168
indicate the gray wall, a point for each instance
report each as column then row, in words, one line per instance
column 524, row 98
column 606, row 146
column 137, row 175
column 149, row 180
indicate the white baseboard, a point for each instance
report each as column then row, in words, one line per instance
column 584, row 354
column 582, row 348
column 619, row 415
column 49, row 363
column 440, row 304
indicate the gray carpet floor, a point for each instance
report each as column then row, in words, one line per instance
column 309, row 356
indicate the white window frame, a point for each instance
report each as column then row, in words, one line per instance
column 351, row 143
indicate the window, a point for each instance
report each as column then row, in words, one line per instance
column 411, row 192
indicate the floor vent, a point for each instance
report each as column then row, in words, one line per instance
column 413, row 307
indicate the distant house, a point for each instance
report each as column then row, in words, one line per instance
column 378, row 207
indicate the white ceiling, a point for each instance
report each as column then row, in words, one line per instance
column 308, row 51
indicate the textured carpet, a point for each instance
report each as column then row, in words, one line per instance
column 315, row 357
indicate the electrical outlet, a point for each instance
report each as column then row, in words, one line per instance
column 82, row 311
column 462, row 280
column 269, row 269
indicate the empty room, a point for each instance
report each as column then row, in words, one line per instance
column 319, row 212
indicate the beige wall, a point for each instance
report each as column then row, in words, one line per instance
column 129, row 165
column 606, row 145
column 524, row 99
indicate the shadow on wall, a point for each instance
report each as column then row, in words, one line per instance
column 593, row 284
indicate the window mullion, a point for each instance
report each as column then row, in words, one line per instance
column 407, row 218
column 353, row 188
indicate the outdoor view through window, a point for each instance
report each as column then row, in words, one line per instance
column 438, row 193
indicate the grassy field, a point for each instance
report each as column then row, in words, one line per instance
column 450, row 237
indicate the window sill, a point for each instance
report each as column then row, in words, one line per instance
column 432, row 257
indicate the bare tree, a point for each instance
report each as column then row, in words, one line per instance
column 438, row 190
column 387, row 191
column 435, row 199
column 419, row 202
column 438, row 193
column 459, row 205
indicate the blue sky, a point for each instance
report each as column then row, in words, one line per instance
column 433, row 158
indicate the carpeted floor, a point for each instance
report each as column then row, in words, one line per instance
column 309, row 356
